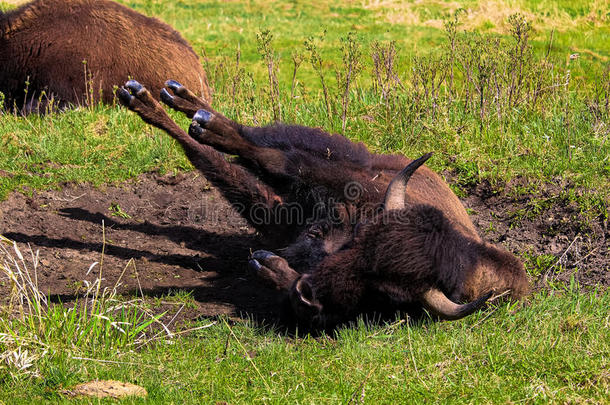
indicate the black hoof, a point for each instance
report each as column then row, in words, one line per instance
column 166, row 97
column 195, row 130
column 262, row 254
column 124, row 96
column 254, row 265
column 134, row 86
column 174, row 85
column 202, row 117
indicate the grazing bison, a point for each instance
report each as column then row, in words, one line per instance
column 367, row 240
column 70, row 51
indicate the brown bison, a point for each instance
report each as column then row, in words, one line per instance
column 70, row 51
column 365, row 241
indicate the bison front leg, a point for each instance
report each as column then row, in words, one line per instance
column 273, row 270
column 237, row 184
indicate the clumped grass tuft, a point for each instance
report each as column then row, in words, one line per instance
column 34, row 330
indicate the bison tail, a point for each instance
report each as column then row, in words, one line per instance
column 437, row 302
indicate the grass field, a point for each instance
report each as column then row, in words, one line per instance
column 493, row 105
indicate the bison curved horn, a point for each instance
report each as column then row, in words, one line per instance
column 395, row 194
column 437, row 302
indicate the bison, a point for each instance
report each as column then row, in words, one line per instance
column 366, row 240
column 56, row 53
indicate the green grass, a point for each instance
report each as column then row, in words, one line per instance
column 556, row 348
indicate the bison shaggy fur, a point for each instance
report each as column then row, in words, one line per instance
column 73, row 52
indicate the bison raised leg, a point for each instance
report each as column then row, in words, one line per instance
column 278, row 150
column 183, row 99
column 237, row 184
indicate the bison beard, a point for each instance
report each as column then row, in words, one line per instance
column 55, row 53
column 417, row 247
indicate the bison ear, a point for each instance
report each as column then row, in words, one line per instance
column 305, row 293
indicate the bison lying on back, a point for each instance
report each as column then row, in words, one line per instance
column 376, row 245
column 71, row 51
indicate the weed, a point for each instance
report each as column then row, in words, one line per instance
column 352, row 65
column 297, row 59
column 116, row 211
column 311, row 45
column 264, row 39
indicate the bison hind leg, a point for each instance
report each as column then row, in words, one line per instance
column 182, row 99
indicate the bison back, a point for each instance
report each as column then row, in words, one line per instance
column 78, row 50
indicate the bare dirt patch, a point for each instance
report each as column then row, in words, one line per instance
column 181, row 234
column 545, row 221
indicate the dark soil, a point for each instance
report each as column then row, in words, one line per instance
column 183, row 235
column 545, row 221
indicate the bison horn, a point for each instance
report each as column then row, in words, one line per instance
column 437, row 302
column 395, row 194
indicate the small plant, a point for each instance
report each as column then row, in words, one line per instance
column 89, row 99
column 25, row 94
column 116, row 211
column 264, row 39
column 451, row 30
column 297, row 59
column 520, row 57
column 311, row 45
column 385, row 78
column 352, row 65
column 237, row 76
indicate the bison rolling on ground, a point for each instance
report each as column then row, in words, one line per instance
column 70, row 51
column 365, row 243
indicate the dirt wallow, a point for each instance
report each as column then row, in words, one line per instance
column 181, row 234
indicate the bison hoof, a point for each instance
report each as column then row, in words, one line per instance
column 202, row 117
column 195, row 130
column 174, row 85
column 254, row 265
column 262, row 255
column 166, row 97
column 135, row 86
column 124, row 96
